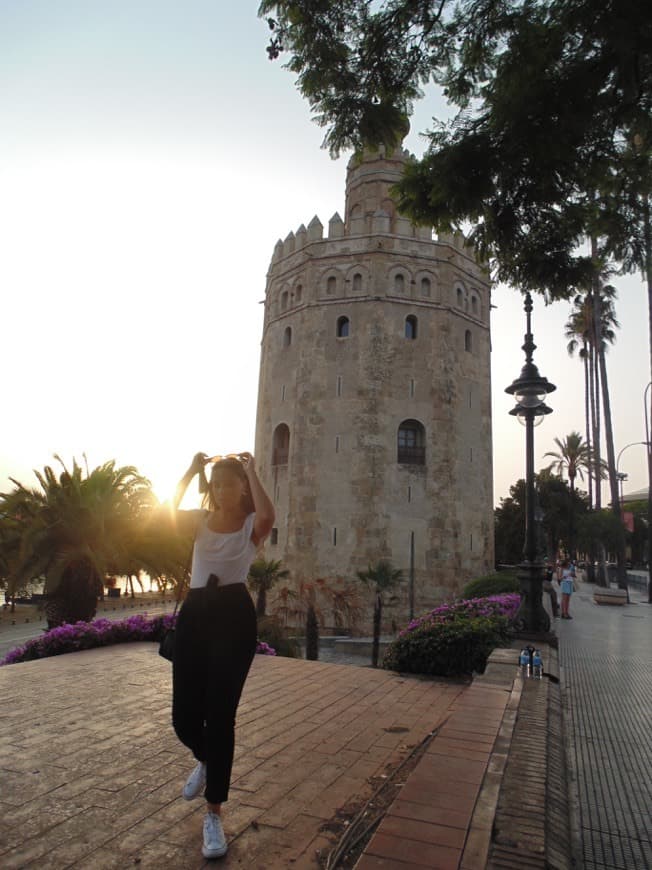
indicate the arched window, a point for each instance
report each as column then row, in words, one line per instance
column 474, row 305
column 284, row 300
column 410, row 326
column 287, row 336
column 411, row 443
column 281, row 445
column 298, row 292
column 357, row 282
column 460, row 297
column 399, row 283
column 425, row 286
column 342, row 329
column 331, row 285
column 468, row 341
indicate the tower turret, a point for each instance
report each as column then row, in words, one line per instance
column 373, row 432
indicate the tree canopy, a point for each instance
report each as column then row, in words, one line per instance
column 79, row 526
column 553, row 136
column 558, row 506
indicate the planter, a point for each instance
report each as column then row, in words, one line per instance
column 610, row 596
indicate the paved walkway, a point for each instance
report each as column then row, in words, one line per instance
column 443, row 816
column 91, row 771
column 605, row 656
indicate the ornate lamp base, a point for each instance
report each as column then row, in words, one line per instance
column 531, row 617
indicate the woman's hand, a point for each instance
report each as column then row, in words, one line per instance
column 248, row 463
column 199, row 460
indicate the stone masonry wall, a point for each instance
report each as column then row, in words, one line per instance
column 343, row 500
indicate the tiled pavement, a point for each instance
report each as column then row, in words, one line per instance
column 90, row 770
column 605, row 656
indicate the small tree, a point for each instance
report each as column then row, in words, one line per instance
column 574, row 458
column 263, row 575
column 380, row 577
column 345, row 604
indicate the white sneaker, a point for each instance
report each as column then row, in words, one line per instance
column 214, row 839
column 195, row 782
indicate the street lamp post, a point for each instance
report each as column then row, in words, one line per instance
column 530, row 390
column 631, row 444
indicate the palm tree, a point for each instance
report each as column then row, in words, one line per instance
column 74, row 530
column 153, row 544
column 263, row 575
column 575, row 333
column 573, row 457
column 9, row 554
column 600, row 289
column 580, row 330
column 593, row 321
column 380, row 578
column 346, row 605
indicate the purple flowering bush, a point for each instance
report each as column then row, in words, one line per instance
column 100, row 632
column 494, row 605
column 453, row 639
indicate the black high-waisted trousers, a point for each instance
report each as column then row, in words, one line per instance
column 214, row 648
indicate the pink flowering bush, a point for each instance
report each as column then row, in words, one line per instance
column 100, row 632
column 453, row 639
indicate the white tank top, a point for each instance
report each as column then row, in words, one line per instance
column 227, row 554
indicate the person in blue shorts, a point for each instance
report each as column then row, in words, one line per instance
column 567, row 588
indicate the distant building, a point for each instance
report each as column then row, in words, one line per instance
column 639, row 495
column 373, row 430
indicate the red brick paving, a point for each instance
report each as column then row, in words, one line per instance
column 91, row 772
column 437, row 821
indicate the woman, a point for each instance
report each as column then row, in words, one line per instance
column 216, row 627
column 567, row 588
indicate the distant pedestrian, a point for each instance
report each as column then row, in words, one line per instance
column 567, row 587
column 216, row 628
column 550, row 590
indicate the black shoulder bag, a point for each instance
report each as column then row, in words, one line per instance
column 168, row 639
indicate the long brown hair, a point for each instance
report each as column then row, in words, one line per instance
column 231, row 466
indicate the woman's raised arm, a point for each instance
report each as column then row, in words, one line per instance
column 186, row 520
column 265, row 513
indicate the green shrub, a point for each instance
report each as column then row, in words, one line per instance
column 454, row 648
column 491, row 584
column 273, row 633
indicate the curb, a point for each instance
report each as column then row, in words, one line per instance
column 518, row 816
column 531, row 823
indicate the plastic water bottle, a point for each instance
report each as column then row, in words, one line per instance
column 537, row 665
column 524, row 662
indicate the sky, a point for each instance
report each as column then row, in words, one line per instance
column 150, row 158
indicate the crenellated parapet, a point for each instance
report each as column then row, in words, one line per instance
column 375, row 252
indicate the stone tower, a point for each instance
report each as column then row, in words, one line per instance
column 373, row 432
